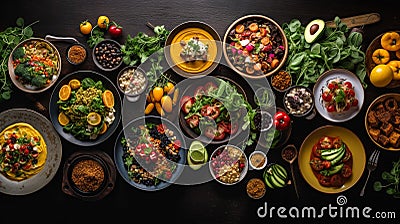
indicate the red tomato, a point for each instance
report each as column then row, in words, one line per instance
column 187, row 103
column 348, row 85
column 193, row 121
column 316, row 151
column 210, row 111
column 177, row 144
column 115, row 30
column 324, row 180
column 209, row 86
column 316, row 164
column 354, row 103
column 332, row 86
column 327, row 97
column 199, row 91
column 331, row 108
column 336, row 180
column 346, row 171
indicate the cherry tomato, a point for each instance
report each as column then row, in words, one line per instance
column 351, row 93
column 115, row 30
column 103, row 22
column 331, row 108
column 187, row 103
column 354, row 103
column 348, row 84
column 332, row 86
column 327, row 97
column 85, row 27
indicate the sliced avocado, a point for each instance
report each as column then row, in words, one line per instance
column 314, row 30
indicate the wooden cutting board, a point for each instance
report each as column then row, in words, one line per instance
column 356, row 21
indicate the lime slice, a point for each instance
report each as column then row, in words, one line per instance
column 197, row 156
column 197, row 145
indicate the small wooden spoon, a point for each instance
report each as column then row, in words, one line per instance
column 289, row 154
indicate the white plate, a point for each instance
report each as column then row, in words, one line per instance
column 54, row 151
column 323, row 81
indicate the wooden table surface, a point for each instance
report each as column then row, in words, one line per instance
column 208, row 202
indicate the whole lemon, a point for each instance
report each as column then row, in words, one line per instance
column 381, row 75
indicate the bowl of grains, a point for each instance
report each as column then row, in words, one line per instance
column 132, row 81
column 76, row 54
column 107, row 55
column 255, row 188
column 281, row 81
column 228, row 164
column 88, row 176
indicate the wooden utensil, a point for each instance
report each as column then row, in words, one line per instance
column 355, row 21
column 289, row 154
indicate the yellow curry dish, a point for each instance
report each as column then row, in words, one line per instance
column 193, row 50
column 23, row 151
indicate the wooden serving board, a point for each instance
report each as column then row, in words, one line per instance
column 356, row 21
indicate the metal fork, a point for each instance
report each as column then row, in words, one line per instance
column 371, row 166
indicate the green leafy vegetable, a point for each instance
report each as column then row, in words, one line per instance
column 9, row 39
column 306, row 62
column 96, row 36
column 392, row 180
column 137, row 49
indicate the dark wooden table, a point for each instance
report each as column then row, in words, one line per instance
column 208, row 202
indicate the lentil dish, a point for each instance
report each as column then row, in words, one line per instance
column 88, row 175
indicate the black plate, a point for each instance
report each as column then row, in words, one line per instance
column 53, row 107
column 118, row 152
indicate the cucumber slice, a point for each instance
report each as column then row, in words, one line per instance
column 279, row 169
column 327, row 152
column 338, row 158
column 277, row 182
column 334, row 155
column 268, row 182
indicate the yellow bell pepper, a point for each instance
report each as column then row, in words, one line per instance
column 391, row 41
column 380, row 56
column 395, row 66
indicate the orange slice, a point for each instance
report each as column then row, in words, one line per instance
column 63, row 119
column 108, row 98
column 93, row 118
column 65, row 92
column 74, row 83
column 103, row 129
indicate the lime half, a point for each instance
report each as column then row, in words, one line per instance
column 197, row 156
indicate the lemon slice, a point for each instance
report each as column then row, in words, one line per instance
column 93, row 118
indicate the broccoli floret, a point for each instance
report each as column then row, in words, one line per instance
column 21, row 70
column 18, row 53
column 38, row 81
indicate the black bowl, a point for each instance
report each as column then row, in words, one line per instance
column 53, row 107
column 190, row 132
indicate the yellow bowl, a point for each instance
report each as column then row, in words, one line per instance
column 353, row 142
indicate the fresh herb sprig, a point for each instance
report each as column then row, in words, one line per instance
column 96, row 36
column 392, row 180
column 9, row 39
column 137, row 49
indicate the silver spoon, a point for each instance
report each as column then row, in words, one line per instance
column 289, row 154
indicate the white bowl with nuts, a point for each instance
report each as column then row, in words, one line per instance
column 132, row 81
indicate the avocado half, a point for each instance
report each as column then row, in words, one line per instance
column 314, row 30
